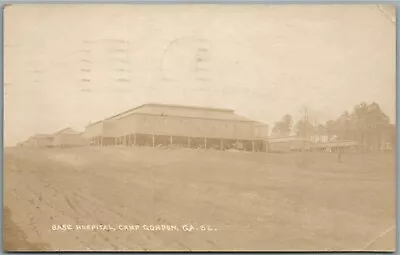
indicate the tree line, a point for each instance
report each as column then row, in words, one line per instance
column 367, row 124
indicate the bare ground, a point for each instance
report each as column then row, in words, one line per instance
column 269, row 202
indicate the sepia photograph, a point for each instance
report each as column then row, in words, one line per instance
column 199, row 127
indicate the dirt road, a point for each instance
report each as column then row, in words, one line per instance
column 234, row 201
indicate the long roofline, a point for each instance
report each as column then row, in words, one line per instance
column 192, row 106
column 60, row 131
column 40, row 135
column 167, row 105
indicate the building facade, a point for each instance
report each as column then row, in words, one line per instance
column 68, row 138
column 288, row 144
column 38, row 141
column 175, row 125
column 320, row 138
column 337, row 146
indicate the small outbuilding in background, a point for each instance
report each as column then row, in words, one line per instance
column 68, row 137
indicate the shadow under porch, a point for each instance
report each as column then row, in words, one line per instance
column 156, row 140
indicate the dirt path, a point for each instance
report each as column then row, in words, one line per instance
column 256, row 201
column 14, row 238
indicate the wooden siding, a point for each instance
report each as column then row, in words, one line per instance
column 183, row 111
column 94, row 130
column 181, row 126
column 69, row 140
column 288, row 143
column 261, row 131
column 39, row 141
column 286, row 146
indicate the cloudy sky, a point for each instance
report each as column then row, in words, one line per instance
column 68, row 65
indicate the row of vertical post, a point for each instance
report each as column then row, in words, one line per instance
column 132, row 139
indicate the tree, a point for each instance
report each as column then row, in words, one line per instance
column 304, row 128
column 367, row 124
column 344, row 126
column 330, row 126
column 391, row 135
column 370, row 124
column 284, row 126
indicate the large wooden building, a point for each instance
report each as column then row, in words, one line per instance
column 176, row 125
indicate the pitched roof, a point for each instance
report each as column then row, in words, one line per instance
column 181, row 111
column 41, row 135
column 67, row 130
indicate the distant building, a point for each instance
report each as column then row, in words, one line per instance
column 288, row 143
column 68, row 138
column 320, row 138
column 39, row 141
column 336, row 145
column 178, row 125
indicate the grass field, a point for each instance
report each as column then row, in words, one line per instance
column 251, row 201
